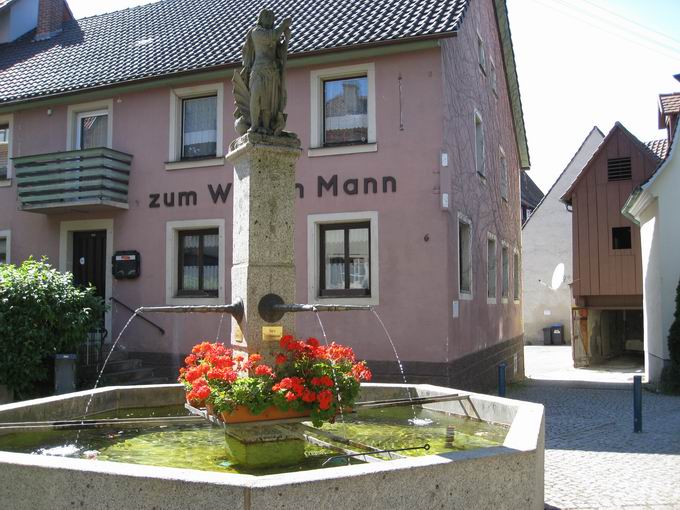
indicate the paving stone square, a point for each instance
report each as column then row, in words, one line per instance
column 593, row 458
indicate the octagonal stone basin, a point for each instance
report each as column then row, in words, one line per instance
column 508, row 476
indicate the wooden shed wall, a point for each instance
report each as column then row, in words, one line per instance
column 599, row 270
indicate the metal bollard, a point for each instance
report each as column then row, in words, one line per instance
column 501, row 379
column 637, row 403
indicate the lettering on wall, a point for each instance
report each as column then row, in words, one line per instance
column 325, row 187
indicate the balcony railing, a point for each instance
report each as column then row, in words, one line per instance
column 89, row 178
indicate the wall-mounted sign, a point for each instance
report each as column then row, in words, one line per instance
column 272, row 333
column 324, row 187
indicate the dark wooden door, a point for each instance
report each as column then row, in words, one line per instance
column 89, row 259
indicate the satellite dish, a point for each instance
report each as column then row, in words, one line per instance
column 557, row 277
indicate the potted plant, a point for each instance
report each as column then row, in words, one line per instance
column 306, row 379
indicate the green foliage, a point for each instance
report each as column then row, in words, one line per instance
column 255, row 393
column 670, row 379
column 42, row 313
column 674, row 333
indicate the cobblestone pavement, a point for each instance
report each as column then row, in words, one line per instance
column 594, row 460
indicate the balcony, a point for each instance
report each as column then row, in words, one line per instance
column 84, row 180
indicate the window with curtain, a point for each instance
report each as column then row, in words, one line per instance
column 93, row 129
column 4, row 150
column 199, row 127
column 345, row 259
column 345, row 111
column 198, row 263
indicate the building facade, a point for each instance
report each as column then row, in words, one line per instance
column 408, row 184
column 654, row 206
column 547, row 252
column 607, row 262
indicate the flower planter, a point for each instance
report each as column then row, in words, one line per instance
column 243, row 415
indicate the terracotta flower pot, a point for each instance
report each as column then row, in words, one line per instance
column 243, row 415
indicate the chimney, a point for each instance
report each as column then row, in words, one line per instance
column 51, row 17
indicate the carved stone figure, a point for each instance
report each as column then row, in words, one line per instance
column 260, row 86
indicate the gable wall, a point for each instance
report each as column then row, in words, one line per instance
column 599, row 270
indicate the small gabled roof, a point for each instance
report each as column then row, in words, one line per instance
column 638, row 198
column 669, row 104
column 566, row 198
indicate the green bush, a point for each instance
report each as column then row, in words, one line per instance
column 42, row 313
column 671, row 374
column 674, row 333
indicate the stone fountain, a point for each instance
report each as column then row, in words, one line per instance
column 263, row 294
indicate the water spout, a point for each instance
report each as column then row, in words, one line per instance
column 235, row 309
column 272, row 308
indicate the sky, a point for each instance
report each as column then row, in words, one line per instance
column 581, row 63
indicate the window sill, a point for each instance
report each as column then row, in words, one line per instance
column 5, row 183
column 343, row 149
column 504, row 301
column 195, row 163
column 463, row 296
column 359, row 300
column 490, row 301
column 198, row 300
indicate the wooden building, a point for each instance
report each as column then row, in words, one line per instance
column 607, row 266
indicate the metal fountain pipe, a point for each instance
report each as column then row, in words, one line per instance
column 272, row 307
column 235, row 309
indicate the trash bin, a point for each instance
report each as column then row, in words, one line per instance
column 557, row 334
column 64, row 373
column 547, row 339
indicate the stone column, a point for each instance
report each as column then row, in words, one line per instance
column 263, row 235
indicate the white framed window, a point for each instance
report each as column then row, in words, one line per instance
column 491, row 268
column 90, row 125
column 6, row 127
column 504, row 174
column 195, row 262
column 342, row 258
column 5, row 246
column 342, row 106
column 464, row 257
column 481, row 53
column 505, row 271
column 480, row 163
column 516, row 275
column 196, row 136
column 92, row 129
column 493, row 76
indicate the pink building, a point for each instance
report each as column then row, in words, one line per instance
column 116, row 127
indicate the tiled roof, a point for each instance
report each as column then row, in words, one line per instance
column 659, row 147
column 531, row 194
column 173, row 36
column 670, row 103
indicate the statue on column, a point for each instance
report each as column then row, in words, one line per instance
column 260, row 86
